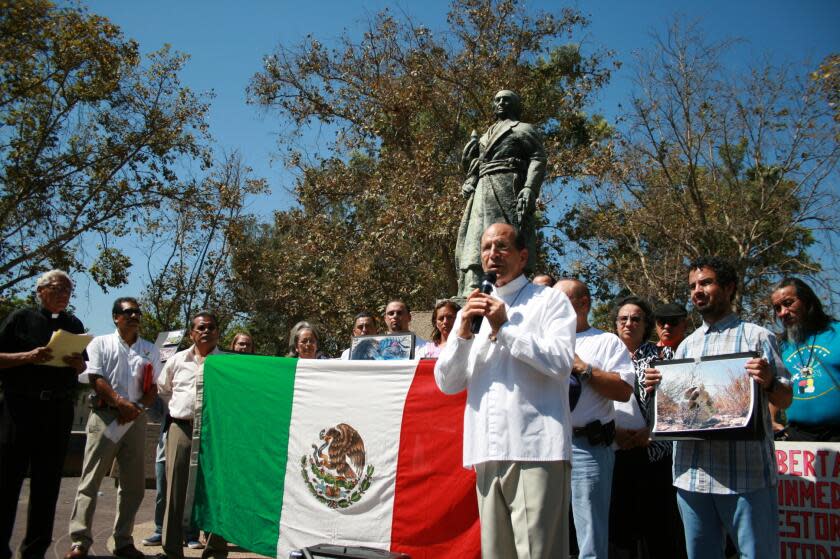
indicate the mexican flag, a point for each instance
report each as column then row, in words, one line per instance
column 294, row 453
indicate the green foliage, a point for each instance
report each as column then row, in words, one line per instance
column 711, row 163
column 189, row 248
column 827, row 78
column 378, row 218
column 90, row 133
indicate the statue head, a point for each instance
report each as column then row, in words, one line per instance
column 507, row 104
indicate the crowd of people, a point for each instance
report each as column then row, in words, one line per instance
column 558, row 414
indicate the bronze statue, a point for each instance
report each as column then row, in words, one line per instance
column 505, row 169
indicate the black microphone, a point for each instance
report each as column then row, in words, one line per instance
column 486, row 288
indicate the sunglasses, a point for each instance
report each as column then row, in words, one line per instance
column 623, row 319
column 130, row 312
column 670, row 320
column 205, row 328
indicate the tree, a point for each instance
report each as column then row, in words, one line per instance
column 90, row 135
column 711, row 162
column 377, row 218
column 188, row 254
column 827, row 76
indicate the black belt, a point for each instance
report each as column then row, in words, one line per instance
column 596, row 432
column 188, row 423
column 45, row 395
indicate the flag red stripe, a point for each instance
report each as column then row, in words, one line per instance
column 435, row 509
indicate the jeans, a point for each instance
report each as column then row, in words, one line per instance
column 592, row 469
column 750, row 519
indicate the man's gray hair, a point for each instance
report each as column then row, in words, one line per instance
column 48, row 277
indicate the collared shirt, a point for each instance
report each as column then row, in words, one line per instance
column 176, row 383
column 120, row 364
column 608, row 353
column 730, row 467
column 517, row 386
column 26, row 329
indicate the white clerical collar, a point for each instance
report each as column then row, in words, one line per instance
column 512, row 287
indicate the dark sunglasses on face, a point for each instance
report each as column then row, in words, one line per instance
column 669, row 321
column 623, row 319
column 131, row 311
column 205, row 328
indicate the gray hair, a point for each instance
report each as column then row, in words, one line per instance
column 48, row 277
column 295, row 333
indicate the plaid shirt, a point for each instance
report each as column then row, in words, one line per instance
column 730, row 467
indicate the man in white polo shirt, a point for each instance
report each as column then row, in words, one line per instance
column 605, row 373
column 122, row 370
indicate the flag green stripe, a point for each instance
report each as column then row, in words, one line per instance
column 234, row 482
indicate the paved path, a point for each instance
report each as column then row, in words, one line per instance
column 103, row 522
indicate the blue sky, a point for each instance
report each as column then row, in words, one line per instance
column 227, row 41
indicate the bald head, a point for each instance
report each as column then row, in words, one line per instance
column 581, row 300
column 543, row 279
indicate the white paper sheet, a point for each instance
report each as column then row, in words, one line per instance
column 63, row 343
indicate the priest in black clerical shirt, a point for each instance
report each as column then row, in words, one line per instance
column 36, row 412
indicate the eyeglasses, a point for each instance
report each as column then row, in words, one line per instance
column 131, row 311
column 623, row 319
column 205, row 328
column 669, row 320
column 58, row 288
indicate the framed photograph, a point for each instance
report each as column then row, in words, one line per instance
column 707, row 398
column 383, row 347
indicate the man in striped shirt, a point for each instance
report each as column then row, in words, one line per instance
column 729, row 485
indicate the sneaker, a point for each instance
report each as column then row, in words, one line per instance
column 195, row 544
column 154, row 539
column 128, row 552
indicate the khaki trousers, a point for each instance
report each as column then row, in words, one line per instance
column 100, row 453
column 178, row 445
column 524, row 509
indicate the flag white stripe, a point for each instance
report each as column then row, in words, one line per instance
column 368, row 396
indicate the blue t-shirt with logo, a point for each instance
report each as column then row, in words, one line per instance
column 814, row 367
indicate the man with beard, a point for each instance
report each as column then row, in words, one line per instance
column 810, row 346
column 122, row 368
column 729, row 486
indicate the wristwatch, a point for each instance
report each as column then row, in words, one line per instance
column 587, row 373
column 141, row 406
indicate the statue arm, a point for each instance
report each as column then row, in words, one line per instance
column 536, row 159
column 535, row 172
column 469, row 162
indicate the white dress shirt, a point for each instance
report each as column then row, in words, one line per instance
column 176, row 384
column 608, row 353
column 120, row 364
column 518, row 386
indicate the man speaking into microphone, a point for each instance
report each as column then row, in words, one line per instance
column 517, row 428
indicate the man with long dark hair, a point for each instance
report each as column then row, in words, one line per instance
column 810, row 345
